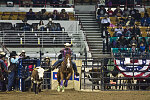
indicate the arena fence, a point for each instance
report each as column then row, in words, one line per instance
column 116, row 73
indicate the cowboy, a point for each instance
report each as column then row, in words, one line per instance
column 3, row 69
column 12, row 70
column 65, row 51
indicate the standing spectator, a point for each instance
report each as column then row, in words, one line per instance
column 118, row 12
column 110, row 12
column 4, row 71
column 105, row 22
column 30, row 15
column 64, row 15
column 136, row 31
column 55, row 15
column 132, row 11
column 41, row 26
column 119, row 31
column 126, row 12
column 101, row 12
column 12, row 69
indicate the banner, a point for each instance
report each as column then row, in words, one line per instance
column 133, row 67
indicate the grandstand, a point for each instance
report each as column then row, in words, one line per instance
column 100, row 37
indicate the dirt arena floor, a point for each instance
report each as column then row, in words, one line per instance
column 77, row 95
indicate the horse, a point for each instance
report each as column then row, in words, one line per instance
column 65, row 72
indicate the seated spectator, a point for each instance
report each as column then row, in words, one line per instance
column 122, row 42
column 126, row 12
column 25, row 26
column 49, row 24
column 133, row 41
column 105, row 22
column 118, row 12
column 55, row 15
column 101, row 12
column 145, row 21
column 109, row 3
column 132, row 11
column 142, row 48
column 30, row 15
column 55, row 3
column 143, row 41
column 136, row 31
column 127, row 31
column 119, row 31
column 41, row 26
column 121, row 21
column 137, row 16
column 38, row 3
column 58, row 27
column 110, row 12
column 26, row 3
column 64, row 15
column 130, row 21
column 42, row 15
column 53, row 27
column 133, row 48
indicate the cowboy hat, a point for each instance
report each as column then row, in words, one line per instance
column 67, row 44
column 23, row 51
column 13, row 53
column 133, row 44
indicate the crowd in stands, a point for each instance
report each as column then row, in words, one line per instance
column 43, row 15
column 126, row 26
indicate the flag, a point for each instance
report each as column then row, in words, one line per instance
column 55, row 76
column 130, row 71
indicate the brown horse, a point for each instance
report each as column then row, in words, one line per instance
column 64, row 72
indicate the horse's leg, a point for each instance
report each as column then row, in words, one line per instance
column 62, row 77
column 58, row 79
column 67, row 78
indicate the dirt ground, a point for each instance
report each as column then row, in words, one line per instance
column 77, row 95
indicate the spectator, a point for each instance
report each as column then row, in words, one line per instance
column 122, row 42
column 133, row 41
column 30, row 15
column 130, row 21
column 126, row 12
column 58, row 27
column 136, row 31
column 12, row 69
column 132, row 11
column 105, row 22
column 55, row 3
column 118, row 12
column 41, row 26
column 49, row 24
column 27, row 3
column 119, row 31
column 23, row 54
column 127, row 31
column 101, row 12
column 55, row 15
column 42, row 15
column 145, row 21
column 142, row 48
column 64, row 15
column 137, row 16
column 109, row 3
column 110, row 12
column 26, row 26
column 4, row 71
column 133, row 49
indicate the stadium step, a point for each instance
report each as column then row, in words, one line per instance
column 92, row 31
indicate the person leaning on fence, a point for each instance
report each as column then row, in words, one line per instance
column 12, row 70
column 3, row 70
column 65, row 51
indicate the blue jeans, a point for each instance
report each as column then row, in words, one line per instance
column 11, row 77
column 61, row 60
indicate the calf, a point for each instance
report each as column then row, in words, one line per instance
column 37, row 78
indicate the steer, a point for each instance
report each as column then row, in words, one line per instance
column 37, row 78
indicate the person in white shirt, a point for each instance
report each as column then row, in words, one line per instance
column 119, row 30
column 105, row 22
column 41, row 26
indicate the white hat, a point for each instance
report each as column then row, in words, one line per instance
column 67, row 44
column 23, row 51
column 50, row 19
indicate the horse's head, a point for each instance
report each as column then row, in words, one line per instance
column 68, row 60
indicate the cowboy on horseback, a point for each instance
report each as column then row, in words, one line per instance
column 65, row 51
